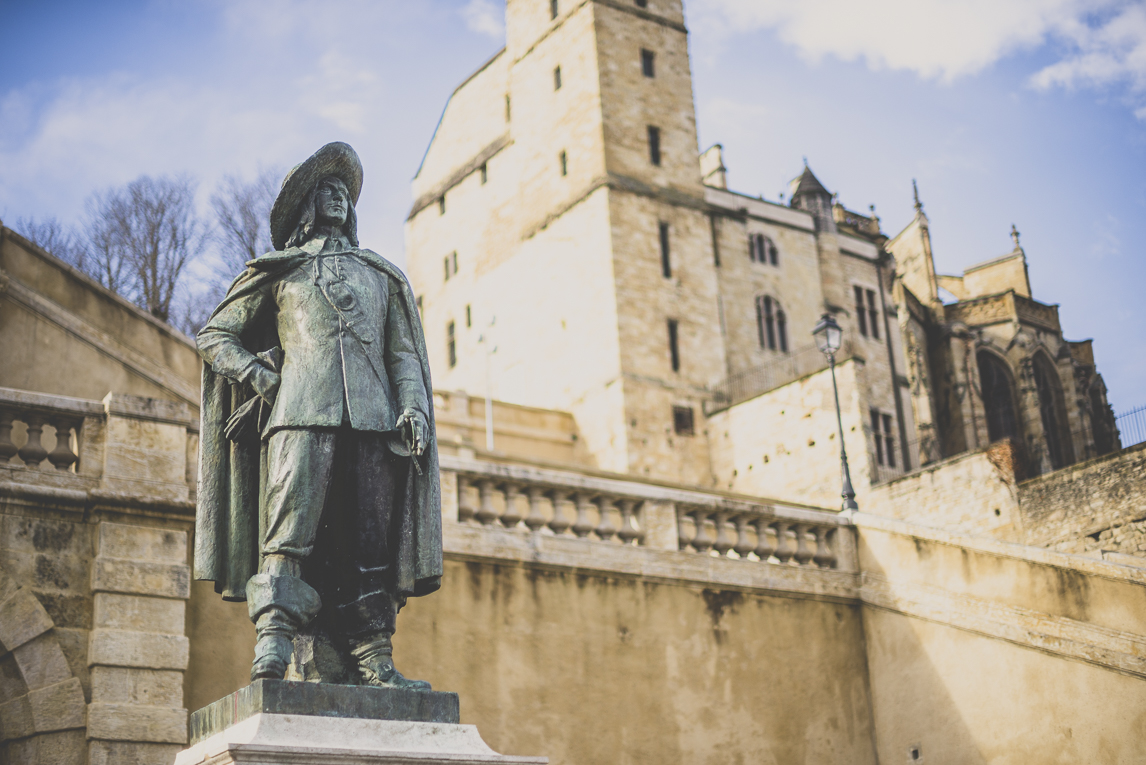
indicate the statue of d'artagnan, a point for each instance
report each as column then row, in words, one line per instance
column 318, row 498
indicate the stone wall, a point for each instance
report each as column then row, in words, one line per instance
column 971, row 493
column 94, row 513
column 1099, row 505
column 967, row 650
column 986, row 652
column 65, row 335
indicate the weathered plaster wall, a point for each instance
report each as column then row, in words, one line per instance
column 65, row 335
column 596, row 669
column 991, row 652
column 798, row 457
column 973, row 493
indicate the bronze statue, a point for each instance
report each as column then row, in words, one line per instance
column 319, row 502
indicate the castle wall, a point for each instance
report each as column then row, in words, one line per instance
column 65, row 335
column 1090, row 506
column 988, row 652
column 798, row 456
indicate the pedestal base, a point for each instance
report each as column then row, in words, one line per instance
column 269, row 739
column 287, row 697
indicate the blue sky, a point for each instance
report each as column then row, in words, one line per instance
column 1030, row 112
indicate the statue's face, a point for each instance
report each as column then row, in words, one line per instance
column 331, row 202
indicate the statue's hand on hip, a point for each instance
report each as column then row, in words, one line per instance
column 266, row 383
column 412, row 425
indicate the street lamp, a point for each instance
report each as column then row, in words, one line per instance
column 829, row 337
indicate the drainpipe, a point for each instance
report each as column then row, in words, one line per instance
column 904, row 450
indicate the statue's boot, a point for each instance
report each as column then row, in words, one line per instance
column 280, row 603
column 375, row 657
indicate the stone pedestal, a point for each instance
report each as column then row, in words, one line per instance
column 275, row 721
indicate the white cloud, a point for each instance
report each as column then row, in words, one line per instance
column 1110, row 52
column 1102, row 42
column 485, row 17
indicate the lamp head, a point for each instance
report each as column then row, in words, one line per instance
column 828, row 335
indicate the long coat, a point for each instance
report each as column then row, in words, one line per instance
column 227, row 519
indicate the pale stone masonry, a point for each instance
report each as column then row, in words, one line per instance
column 634, row 290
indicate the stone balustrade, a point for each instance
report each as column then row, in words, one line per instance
column 41, row 432
column 130, row 445
column 607, row 516
column 640, row 514
column 758, row 533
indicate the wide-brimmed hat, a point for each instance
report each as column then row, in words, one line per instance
column 338, row 159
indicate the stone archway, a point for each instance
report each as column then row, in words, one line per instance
column 997, row 391
column 42, row 708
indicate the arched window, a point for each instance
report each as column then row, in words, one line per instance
column 998, row 397
column 1052, row 411
column 761, row 249
column 771, row 324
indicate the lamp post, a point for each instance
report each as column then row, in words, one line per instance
column 829, row 337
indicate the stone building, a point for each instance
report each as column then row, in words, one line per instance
column 571, row 250
column 990, row 362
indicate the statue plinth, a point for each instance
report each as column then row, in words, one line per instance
column 273, row 721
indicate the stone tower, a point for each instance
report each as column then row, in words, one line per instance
column 562, row 195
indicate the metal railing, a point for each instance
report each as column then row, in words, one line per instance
column 1131, row 426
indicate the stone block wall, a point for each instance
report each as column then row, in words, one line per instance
column 972, row 493
column 1099, row 505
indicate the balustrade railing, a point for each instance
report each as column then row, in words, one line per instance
column 36, row 429
column 757, row 533
column 558, row 503
column 519, row 504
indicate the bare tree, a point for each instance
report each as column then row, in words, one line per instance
column 141, row 237
column 242, row 218
column 54, row 237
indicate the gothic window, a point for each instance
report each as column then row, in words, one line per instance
column 1100, row 422
column 884, row 438
column 666, row 263
column 682, row 421
column 771, row 324
column 557, row 78
column 761, row 249
column 782, row 328
column 998, row 397
column 867, row 314
column 451, row 346
column 674, row 346
column 564, row 160
column 654, row 145
column 648, row 63
column 1052, row 411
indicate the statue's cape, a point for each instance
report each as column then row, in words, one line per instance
column 230, row 474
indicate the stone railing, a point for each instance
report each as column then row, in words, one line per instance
column 607, row 516
column 759, row 533
column 640, row 514
column 40, row 432
column 128, row 445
